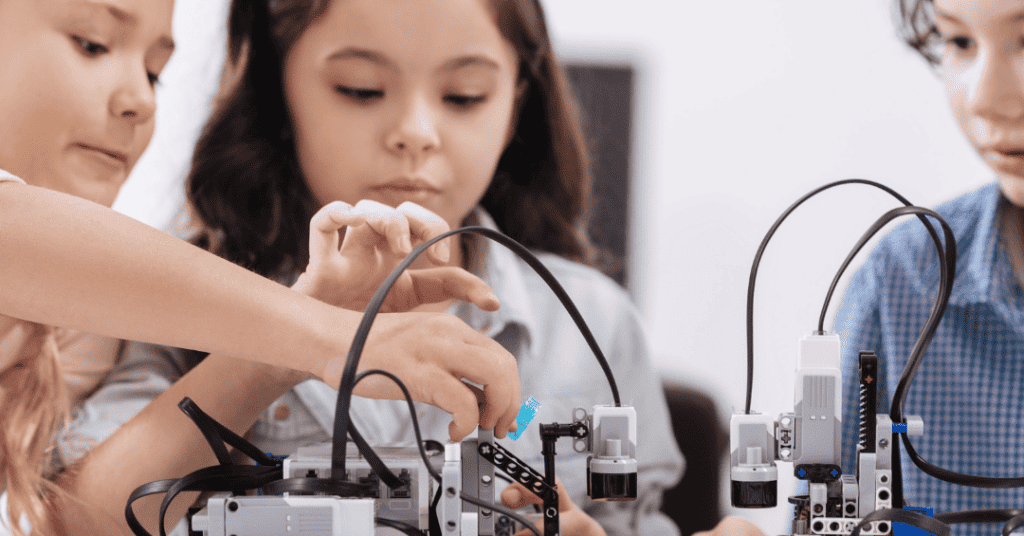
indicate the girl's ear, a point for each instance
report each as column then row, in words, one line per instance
column 517, row 108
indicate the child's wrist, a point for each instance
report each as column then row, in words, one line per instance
column 330, row 339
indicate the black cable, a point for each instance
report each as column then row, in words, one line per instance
column 434, row 445
column 379, row 468
column 325, row 486
column 947, row 274
column 341, row 417
column 1013, row 524
column 215, row 478
column 760, row 252
column 412, row 413
column 224, row 434
column 502, row 510
column 435, row 523
column 997, row 515
column 947, row 257
column 404, row 528
column 229, row 477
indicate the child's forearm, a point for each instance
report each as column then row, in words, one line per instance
column 86, row 267
column 161, row 442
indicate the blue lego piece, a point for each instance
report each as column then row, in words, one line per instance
column 903, row 529
column 526, row 413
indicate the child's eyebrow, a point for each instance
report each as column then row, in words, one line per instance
column 468, row 61
column 940, row 14
column 129, row 19
column 359, row 53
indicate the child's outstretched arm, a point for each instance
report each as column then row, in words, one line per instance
column 73, row 263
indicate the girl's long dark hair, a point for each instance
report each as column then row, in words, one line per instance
column 250, row 201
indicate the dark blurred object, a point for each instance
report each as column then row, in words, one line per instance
column 605, row 95
column 694, row 503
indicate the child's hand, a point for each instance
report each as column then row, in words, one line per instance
column 431, row 353
column 377, row 238
column 733, row 526
column 572, row 520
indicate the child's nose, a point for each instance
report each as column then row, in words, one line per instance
column 133, row 97
column 994, row 88
column 416, row 130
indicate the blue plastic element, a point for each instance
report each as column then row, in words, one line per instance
column 524, row 417
column 899, row 427
column 903, row 529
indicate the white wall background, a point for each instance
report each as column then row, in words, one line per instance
column 743, row 106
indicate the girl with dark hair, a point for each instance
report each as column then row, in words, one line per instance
column 458, row 108
column 967, row 389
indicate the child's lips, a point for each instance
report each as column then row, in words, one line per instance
column 1008, row 159
column 416, row 190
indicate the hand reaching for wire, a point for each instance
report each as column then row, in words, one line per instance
column 572, row 520
column 430, row 352
column 347, row 272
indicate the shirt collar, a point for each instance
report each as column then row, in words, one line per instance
column 506, row 274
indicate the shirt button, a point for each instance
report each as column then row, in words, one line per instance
column 282, row 412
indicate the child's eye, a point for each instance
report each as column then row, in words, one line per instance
column 960, row 42
column 464, row 101
column 360, row 94
column 154, row 78
column 89, row 48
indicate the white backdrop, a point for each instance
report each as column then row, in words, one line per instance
column 743, row 106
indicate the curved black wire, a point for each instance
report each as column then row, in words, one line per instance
column 412, row 413
column 230, row 477
column 404, row 528
column 997, row 515
column 215, row 478
column 760, row 252
column 947, row 274
column 946, row 253
column 1012, row 517
column 341, row 417
column 1013, row 524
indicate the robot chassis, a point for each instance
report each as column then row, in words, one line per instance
column 810, row 438
column 467, row 468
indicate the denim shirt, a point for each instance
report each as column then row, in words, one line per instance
column 968, row 389
column 556, row 367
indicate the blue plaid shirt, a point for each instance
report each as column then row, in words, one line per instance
column 970, row 387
